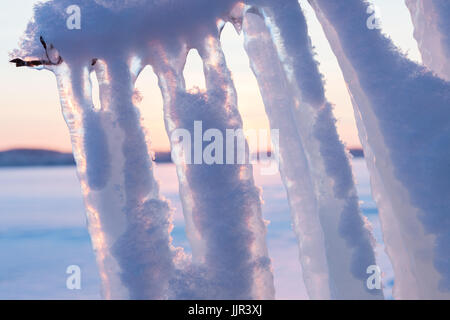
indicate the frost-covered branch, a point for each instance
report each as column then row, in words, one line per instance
column 43, row 62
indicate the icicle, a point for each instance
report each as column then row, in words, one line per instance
column 335, row 246
column 126, row 218
column 91, row 155
column 169, row 69
column 143, row 251
column 293, row 165
column 239, row 180
column 403, row 120
column 432, row 33
column 223, row 212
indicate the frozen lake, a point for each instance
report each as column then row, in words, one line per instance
column 43, row 231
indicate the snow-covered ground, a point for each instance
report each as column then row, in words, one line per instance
column 42, row 232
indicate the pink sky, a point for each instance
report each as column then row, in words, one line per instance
column 30, row 111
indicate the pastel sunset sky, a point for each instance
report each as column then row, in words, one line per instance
column 30, row 113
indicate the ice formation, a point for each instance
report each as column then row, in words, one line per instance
column 402, row 113
column 335, row 246
column 221, row 204
column 432, row 32
column 403, row 117
column 128, row 220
